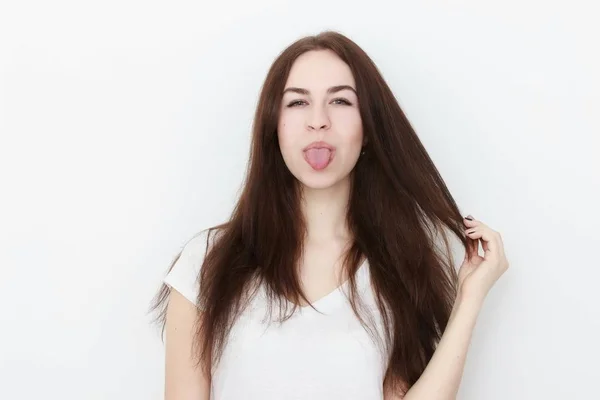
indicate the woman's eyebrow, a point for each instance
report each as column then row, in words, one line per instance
column 331, row 90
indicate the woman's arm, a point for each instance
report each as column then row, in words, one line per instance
column 182, row 380
column 441, row 378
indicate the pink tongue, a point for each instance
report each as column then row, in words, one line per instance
column 318, row 158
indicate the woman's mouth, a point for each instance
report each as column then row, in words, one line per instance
column 319, row 157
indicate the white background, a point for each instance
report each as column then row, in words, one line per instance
column 125, row 130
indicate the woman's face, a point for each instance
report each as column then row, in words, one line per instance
column 320, row 129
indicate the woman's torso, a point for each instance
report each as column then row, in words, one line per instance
column 309, row 356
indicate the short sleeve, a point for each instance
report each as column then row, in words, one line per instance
column 184, row 275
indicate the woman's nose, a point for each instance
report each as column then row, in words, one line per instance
column 318, row 120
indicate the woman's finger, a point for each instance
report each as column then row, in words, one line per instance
column 490, row 241
column 473, row 244
column 470, row 222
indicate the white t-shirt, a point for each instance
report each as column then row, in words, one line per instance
column 311, row 356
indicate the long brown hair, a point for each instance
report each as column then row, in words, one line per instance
column 398, row 205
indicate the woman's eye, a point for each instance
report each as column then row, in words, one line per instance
column 343, row 101
column 294, row 103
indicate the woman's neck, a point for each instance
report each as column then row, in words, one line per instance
column 325, row 212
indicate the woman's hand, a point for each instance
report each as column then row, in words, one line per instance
column 477, row 274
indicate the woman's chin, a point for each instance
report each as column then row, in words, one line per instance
column 319, row 182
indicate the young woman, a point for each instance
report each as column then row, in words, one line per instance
column 333, row 278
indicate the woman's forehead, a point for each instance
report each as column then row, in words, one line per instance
column 317, row 71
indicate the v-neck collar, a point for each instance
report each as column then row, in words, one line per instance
column 330, row 300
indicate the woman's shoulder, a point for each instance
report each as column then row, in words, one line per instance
column 200, row 242
column 184, row 273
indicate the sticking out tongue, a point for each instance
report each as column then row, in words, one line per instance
column 318, row 158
